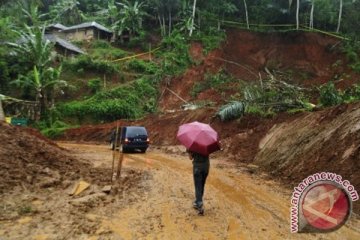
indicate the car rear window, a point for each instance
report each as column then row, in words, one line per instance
column 135, row 131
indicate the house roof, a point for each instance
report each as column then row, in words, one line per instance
column 58, row 26
column 55, row 39
column 88, row 25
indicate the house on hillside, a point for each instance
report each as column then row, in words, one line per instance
column 87, row 32
column 63, row 47
column 55, row 28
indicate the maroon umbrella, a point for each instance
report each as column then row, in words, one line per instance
column 198, row 137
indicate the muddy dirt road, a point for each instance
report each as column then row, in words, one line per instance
column 237, row 205
column 158, row 204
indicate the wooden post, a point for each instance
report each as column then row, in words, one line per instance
column 150, row 51
column 121, row 156
column 114, row 151
column 2, row 115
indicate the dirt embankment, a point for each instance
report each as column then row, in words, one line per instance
column 32, row 162
column 324, row 141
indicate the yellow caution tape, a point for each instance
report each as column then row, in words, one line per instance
column 136, row 55
column 303, row 28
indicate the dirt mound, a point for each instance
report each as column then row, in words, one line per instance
column 307, row 59
column 325, row 141
column 30, row 162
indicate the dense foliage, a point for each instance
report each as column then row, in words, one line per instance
column 131, row 101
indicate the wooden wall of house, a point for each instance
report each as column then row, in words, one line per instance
column 81, row 35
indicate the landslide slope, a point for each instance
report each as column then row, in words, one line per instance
column 302, row 58
column 324, row 141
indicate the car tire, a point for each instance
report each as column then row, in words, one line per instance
column 143, row 150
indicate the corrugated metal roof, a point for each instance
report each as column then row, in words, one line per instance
column 87, row 25
column 57, row 25
column 63, row 43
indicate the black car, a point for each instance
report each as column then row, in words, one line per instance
column 132, row 138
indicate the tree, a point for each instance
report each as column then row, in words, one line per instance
column 131, row 17
column 192, row 19
column 43, row 79
column 246, row 15
column 340, row 13
column 311, row 24
column 297, row 13
column 66, row 12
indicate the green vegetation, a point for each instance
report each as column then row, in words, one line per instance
column 141, row 66
column 95, row 85
column 330, row 96
column 210, row 39
column 130, row 102
column 352, row 51
column 86, row 63
column 266, row 99
column 212, row 81
column 55, row 130
column 231, row 111
column 33, row 69
column 174, row 54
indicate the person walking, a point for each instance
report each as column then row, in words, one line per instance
column 201, row 166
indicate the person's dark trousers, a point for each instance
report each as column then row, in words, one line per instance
column 200, row 171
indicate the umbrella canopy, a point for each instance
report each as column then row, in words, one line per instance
column 198, row 137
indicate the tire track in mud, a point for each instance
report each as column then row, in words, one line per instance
column 237, row 206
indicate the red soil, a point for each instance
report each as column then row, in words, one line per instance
column 311, row 59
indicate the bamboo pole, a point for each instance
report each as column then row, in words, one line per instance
column 114, row 151
column 121, row 156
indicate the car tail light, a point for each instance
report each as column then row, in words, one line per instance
column 148, row 140
column 127, row 140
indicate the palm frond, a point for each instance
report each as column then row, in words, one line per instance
column 231, row 111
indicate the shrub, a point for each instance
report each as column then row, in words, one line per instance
column 94, row 85
column 329, row 95
column 212, row 81
column 130, row 102
column 175, row 55
column 87, row 63
column 141, row 66
column 211, row 39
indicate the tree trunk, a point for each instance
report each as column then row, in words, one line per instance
column 170, row 19
column 246, row 15
column 192, row 19
column 164, row 25
column 161, row 27
column 340, row 13
column 297, row 13
column 2, row 115
column 312, row 14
